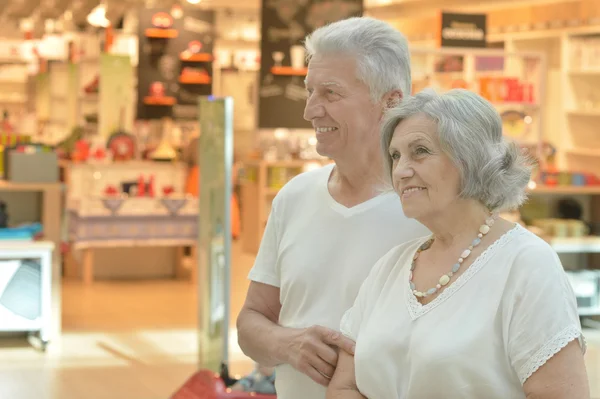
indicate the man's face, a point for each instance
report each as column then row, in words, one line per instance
column 340, row 108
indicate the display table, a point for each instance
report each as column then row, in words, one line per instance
column 26, row 288
column 133, row 222
column 159, row 216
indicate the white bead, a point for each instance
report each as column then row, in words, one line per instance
column 444, row 280
column 470, row 247
column 460, row 260
column 438, row 286
column 484, row 229
column 465, row 253
column 419, row 294
column 479, row 235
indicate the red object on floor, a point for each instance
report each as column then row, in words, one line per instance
column 208, row 385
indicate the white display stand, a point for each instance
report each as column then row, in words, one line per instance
column 11, row 254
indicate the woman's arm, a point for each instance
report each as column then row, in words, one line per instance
column 343, row 382
column 563, row 376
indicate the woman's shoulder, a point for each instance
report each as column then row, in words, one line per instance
column 533, row 257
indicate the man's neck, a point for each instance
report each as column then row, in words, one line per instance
column 357, row 180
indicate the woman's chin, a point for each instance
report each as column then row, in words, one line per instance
column 411, row 211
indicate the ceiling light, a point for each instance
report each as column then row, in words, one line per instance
column 97, row 17
column 194, row 1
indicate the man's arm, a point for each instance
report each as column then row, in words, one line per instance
column 343, row 383
column 257, row 320
column 311, row 351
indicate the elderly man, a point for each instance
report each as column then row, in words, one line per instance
column 328, row 227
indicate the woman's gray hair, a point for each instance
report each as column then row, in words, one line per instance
column 381, row 52
column 493, row 170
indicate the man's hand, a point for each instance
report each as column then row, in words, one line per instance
column 314, row 352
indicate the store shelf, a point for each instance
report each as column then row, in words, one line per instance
column 194, row 80
column 566, row 190
column 576, row 244
column 586, row 73
column 589, row 311
column 289, row 71
column 202, row 57
column 165, row 101
column 584, row 112
column 585, row 152
column 514, row 104
column 155, row 33
column 12, row 101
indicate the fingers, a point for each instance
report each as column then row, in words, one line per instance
column 328, row 354
column 315, row 375
column 335, row 338
column 325, row 368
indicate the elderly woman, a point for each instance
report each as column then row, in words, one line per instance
column 480, row 309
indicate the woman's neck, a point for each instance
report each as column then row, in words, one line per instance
column 457, row 224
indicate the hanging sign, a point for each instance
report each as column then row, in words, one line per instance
column 463, row 30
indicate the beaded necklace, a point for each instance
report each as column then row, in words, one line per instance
column 445, row 279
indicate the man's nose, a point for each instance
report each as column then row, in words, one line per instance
column 313, row 109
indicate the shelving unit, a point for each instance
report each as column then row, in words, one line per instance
column 566, row 245
column 581, row 66
column 513, row 81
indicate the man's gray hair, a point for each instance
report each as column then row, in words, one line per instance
column 381, row 52
column 493, row 170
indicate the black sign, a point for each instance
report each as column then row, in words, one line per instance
column 285, row 24
column 463, row 30
column 175, row 61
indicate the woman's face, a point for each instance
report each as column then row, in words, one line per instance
column 424, row 177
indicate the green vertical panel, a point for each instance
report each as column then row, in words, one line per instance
column 72, row 93
column 42, row 103
column 116, row 82
column 214, row 254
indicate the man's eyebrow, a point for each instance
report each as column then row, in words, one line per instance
column 326, row 84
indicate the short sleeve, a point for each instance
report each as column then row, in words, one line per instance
column 265, row 269
column 541, row 309
column 368, row 293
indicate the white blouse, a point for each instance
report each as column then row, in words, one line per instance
column 482, row 337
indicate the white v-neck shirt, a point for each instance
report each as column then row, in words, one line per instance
column 318, row 252
column 482, row 337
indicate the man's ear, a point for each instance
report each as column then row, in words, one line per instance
column 393, row 99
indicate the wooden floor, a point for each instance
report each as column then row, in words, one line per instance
column 137, row 340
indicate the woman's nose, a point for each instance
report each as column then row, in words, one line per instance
column 402, row 170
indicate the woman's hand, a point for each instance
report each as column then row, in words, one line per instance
column 563, row 376
column 343, row 383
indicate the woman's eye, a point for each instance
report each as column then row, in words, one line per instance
column 395, row 156
column 421, row 150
